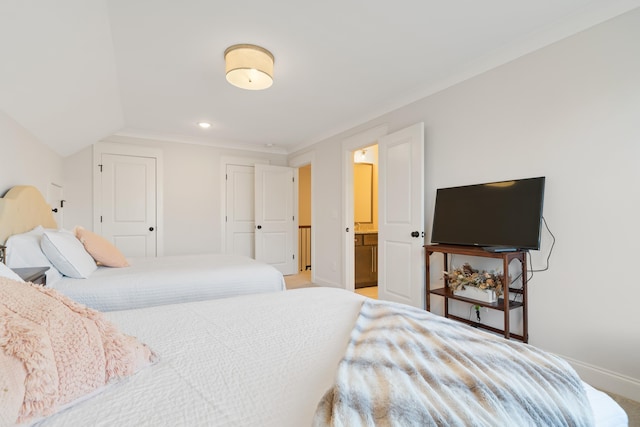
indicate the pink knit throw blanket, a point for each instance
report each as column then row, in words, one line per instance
column 67, row 350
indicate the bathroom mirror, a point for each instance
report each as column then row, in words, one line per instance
column 363, row 193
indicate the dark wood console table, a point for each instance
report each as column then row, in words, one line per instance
column 503, row 304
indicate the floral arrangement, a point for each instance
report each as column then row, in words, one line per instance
column 464, row 276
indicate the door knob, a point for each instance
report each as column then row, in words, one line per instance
column 259, row 227
column 54, row 210
column 415, row 234
column 150, row 228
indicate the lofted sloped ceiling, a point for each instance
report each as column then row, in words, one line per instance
column 73, row 72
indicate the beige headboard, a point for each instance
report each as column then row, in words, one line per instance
column 22, row 209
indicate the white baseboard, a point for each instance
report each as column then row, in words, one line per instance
column 606, row 380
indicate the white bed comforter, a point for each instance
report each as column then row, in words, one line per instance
column 171, row 279
column 257, row 360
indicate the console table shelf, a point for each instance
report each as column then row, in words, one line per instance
column 498, row 305
column 502, row 305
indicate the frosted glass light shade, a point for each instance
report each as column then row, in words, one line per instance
column 249, row 66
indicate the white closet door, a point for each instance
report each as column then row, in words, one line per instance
column 274, row 216
column 240, row 210
column 55, row 199
column 128, row 203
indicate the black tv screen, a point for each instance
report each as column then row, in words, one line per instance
column 496, row 214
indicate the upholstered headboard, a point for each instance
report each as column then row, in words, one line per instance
column 22, row 209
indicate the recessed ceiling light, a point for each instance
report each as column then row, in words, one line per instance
column 204, row 125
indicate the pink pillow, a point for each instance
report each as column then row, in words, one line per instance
column 101, row 249
column 67, row 351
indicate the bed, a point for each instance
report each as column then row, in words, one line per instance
column 26, row 223
column 171, row 279
column 269, row 360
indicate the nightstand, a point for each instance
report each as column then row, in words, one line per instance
column 36, row 275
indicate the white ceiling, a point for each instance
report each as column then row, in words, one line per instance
column 75, row 71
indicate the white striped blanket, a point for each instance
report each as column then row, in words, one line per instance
column 407, row 367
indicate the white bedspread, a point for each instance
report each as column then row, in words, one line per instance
column 171, row 279
column 256, row 360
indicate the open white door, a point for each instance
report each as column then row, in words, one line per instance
column 274, row 217
column 401, row 216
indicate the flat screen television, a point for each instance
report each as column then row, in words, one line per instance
column 501, row 215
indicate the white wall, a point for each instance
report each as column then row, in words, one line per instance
column 570, row 112
column 78, row 189
column 192, row 192
column 24, row 160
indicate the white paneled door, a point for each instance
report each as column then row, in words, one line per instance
column 274, row 217
column 240, row 210
column 128, row 200
column 56, row 202
column 401, row 216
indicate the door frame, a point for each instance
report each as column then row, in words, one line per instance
column 349, row 145
column 297, row 162
column 104, row 147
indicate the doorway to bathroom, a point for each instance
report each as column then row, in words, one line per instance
column 400, row 230
column 365, row 220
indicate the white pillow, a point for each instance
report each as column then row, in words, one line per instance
column 23, row 250
column 9, row 273
column 67, row 254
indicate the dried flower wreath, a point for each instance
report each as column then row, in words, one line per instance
column 464, row 276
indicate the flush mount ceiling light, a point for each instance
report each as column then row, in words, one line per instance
column 204, row 125
column 249, row 66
